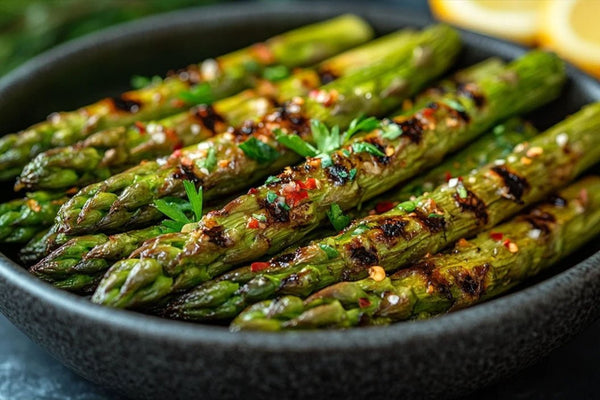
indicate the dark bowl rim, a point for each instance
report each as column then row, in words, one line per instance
column 528, row 300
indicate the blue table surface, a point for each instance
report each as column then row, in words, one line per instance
column 27, row 372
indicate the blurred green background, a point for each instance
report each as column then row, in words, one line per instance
column 28, row 27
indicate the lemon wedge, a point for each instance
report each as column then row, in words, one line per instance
column 572, row 29
column 515, row 20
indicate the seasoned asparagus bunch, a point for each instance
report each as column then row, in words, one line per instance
column 231, row 161
column 75, row 257
column 21, row 219
column 198, row 84
column 110, row 151
column 293, row 204
column 416, row 228
column 473, row 271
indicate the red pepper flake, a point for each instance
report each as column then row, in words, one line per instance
column 364, row 302
column 253, row 191
column 140, row 127
column 176, row 153
column 383, row 206
column 253, row 223
column 294, row 198
column 506, row 243
column 178, row 103
column 178, row 146
column 460, row 178
column 428, row 112
column 259, row 266
column 309, row 184
column 448, row 176
column 263, row 53
column 496, row 235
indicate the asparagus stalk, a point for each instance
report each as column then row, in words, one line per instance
column 125, row 200
column 473, row 271
column 21, row 219
column 202, row 83
column 110, row 151
column 300, row 198
column 415, row 228
column 72, row 257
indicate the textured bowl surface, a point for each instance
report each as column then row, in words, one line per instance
column 146, row 357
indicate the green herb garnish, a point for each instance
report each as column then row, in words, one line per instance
column 360, row 147
column 176, row 209
column 391, row 131
column 359, row 230
column 360, row 124
column 462, row 191
column 330, row 251
column 259, row 151
column 407, row 206
column 271, row 196
column 260, row 217
column 295, row 143
column 272, row 179
column 337, row 217
column 352, row 174
column 210, row 162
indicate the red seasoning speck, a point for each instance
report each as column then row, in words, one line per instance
column 259, row 266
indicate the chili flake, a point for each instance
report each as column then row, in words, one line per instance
column 496, row 235
column 363, row 302
column 383, row 206
column 259, row 266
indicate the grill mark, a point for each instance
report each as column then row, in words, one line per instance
column 361, row 256
column 208, row 117
column 338, row 174
column 471, row 91
column 472, row 282
column 216, row 235
column 433, row 224
column 126, row 105
column 327, row 75
column 186, row 172
column 284, row 259
column 541, row 220
column 412, row 128
column 514, row 184
column 393, row 228
column 374, row 140
column 473, row 204
column 276, row 213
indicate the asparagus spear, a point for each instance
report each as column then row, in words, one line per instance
column 415, row 228
column 21, row 219
column 203, row 83
column 72, row 257
column 245, row 155
column 300, row 198
column 473, row 271
column 110, row 151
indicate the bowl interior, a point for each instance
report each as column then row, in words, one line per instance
column 102, row 64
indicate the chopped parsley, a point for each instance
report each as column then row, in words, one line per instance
column 258, row 150
column 360, row 124
column 391, row 131
column 210, row 162
column 359, row 230
column 337, row 217
column 272, row 179
column 295, row 143
column 260, row 217
column 330, row 251
column 360, row 147
column 271, row 196
column 407, row 206
column 352, row 174
column 462, row 191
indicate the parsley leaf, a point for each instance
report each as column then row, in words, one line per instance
column 360, row 147
column 199, row 94
column 176, row 209
column 259, row 151
column 276, row 73
column 271, row 196
column 337, row 217
column 454, row 104
column 330, row 251
column 210, row 162
column 352, row 174
column 391, row 131
column 195, row 198
column 272, row 179
column 407, row 206
column 326, row 140
column 360, row 124
column 295, row 143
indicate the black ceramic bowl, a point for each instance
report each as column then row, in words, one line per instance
column 147, row 357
